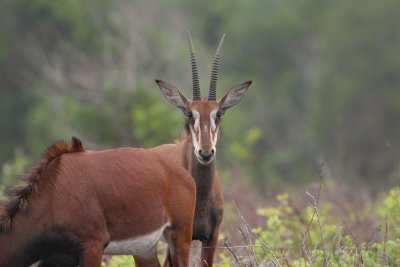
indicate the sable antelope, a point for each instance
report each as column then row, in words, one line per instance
column 77, row 203
column 196, row 151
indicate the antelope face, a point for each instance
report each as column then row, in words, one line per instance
column 203, row 122
column 204, row 116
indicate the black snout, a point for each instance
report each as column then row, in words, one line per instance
column 206, row 154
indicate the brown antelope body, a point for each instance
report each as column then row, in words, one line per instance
column 196, row 151
column 78, row 203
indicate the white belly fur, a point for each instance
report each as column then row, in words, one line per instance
column 144, row 245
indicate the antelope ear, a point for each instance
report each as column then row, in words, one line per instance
column 233, row 96
column 173, row 95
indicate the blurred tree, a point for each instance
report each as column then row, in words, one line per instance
column 324, row 73
column 73, row 69
column 325, row 85
column 353, row 119
column 272, row 43
column 14, row 168
column 28, row 28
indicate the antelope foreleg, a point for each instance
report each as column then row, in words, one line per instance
column 208, row 250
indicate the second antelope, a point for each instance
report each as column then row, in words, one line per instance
column 197, row 150
column 78, row 203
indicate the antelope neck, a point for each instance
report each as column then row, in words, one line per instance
column 202, row 174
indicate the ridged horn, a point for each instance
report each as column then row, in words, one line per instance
column 195, row 71
column 212, row 96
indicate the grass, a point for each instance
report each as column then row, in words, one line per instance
column 320, row 233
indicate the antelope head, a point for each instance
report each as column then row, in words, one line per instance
column 204, row 115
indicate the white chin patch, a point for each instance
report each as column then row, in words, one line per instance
column 203, row 161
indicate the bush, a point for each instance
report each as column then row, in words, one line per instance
column 315, row 237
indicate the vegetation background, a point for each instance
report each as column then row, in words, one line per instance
column 326, row 89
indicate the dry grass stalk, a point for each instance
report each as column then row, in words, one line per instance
column 272, row 257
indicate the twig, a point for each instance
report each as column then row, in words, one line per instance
column 309, row 225
column 272, row 257
column 321, row 178
column 304, row 251
column 253, row 263
column 317, row 212
column 244, row 246
column 385, row 239
column 353, row 238
column 315, row 207
column 282, row 254
column 234, row 255
column 340, row 236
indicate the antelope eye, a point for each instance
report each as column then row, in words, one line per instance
column 219, row 115
column 189, row 115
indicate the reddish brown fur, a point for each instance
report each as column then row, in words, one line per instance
column 209, row 201
column 18, row 194
column 196, row 153
column 83, row 200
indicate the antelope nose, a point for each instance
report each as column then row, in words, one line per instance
column 206, row 154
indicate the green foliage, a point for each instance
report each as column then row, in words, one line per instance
column 2, row 196
column 14, row 106
column 224, row 260
column 12, row 169
column 121, row 261
column 242, row 148
column 324, row 84
column 389, row 209
column 31, row 31
column 72, row 17
column 44, row 127
column 127, row 260
column 295, row 238
column 278, row 223
column 155, row 122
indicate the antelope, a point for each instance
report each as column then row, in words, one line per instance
column 77, row 203
column 196, row 151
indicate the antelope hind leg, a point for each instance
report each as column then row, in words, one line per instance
column 168, row 258
column 179, row 242
column 143, row 261
column 92, row 255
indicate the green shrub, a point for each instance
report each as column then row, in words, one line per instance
column 304, row 239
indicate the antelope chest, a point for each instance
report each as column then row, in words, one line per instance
column 204, row 223
column 143, row 245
